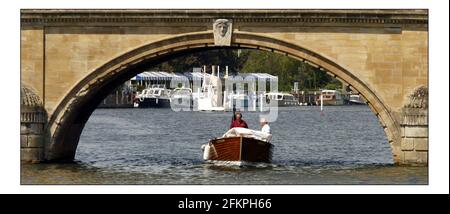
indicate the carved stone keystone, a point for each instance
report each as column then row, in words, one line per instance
column 223, row 29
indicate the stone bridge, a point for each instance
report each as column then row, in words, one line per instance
column 71, row 59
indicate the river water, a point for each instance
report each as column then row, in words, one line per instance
column 342, row 145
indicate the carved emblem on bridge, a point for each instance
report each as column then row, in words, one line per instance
column 222, row 32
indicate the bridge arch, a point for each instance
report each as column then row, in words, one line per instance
column 69, row 117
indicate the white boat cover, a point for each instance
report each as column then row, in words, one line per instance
column 258, row 135
column 162, row 75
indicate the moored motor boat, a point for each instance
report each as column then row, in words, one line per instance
column 356, row 99
column 239, row 146
column 283, row 99
column 330, row 97
column 157, row 96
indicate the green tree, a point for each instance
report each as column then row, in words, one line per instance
column 287, row 69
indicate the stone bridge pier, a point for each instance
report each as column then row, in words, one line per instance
column 71, row 60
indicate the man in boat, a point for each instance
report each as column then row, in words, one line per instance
column 265, row 125
column 238, row 122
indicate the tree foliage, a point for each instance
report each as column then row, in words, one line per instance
column 287, row 69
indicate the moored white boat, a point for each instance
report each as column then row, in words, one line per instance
column 330, row 97
column 356, row 99
column 283, row 99
column 157, row 96
column 209, row 97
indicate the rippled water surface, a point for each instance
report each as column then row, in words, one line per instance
column 344, row 145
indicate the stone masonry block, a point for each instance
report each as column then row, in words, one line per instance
column 421, row 144
column 23, row 141
column 414, row 157
column 422, row 158
column 35, row 141
column 416, row 131
column 407, row 144
column 31, row 128
column 24, row 128
column 31, row 154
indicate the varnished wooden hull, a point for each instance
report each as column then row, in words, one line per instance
column 240, row 149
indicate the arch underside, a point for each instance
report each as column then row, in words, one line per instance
column 70, row 116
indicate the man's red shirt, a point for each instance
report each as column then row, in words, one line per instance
column 238, row 124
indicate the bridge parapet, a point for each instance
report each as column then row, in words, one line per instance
column 142, row 17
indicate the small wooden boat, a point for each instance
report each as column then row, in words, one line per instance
column 238, row 150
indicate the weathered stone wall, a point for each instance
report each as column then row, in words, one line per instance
column 391, row 63
column 32, row 58
column 74, row 52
